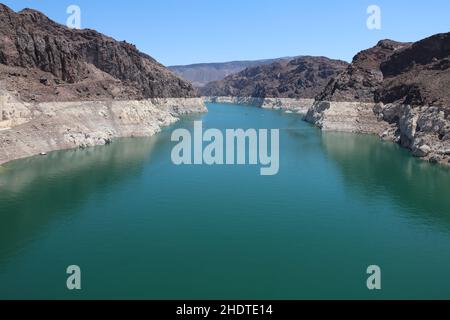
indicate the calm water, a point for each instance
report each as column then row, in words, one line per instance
column 140, row 227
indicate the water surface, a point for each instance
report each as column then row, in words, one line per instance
column 141, row 227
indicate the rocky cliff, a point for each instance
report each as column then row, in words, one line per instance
column 302, row 77
column 63, row 88
column 363, row 76
column 34, row 128
column 419, row 75
column 44, row 61
column 397, row 90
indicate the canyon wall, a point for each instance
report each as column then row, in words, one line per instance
column 31, row 129
column 399, row 91
column 62, row 88
column 300, row 106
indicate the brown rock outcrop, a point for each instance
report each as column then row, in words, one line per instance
column 403, row 91
column 45, row 61
column 302, row 77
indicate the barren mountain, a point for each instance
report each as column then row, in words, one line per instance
column 418, row 75
column 45, row 61
column 397, row 90
column 415, row 74
column 302, row 77
column 63, row 88
column 363, row 76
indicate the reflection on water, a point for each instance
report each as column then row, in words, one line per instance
column 44, row 188
column 384, row 169
column 142, row 228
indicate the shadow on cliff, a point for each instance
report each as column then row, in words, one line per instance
column 385, row 169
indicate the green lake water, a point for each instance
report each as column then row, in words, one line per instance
column 142, row 228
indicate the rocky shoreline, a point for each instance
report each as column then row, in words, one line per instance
column 396, row 90
column 353, row 117
column 294, row 105
column 28, row 129
column 64, row 88
column 391, row 122
column 423, row 130
column 31, row 129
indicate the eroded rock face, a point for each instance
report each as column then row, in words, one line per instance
column 302, row 77
column 406, row 89
column 45, row 61
column 357, row 117
column 12, row 111
column 63, row 88
column 67, row 125
column 363, row 76
column 419, row 75
column 425, row 130
column 339, row 105
column 416, row 96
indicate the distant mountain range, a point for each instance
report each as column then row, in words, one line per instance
column 203, row 73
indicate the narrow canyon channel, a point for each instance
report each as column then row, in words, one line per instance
column 141, row 227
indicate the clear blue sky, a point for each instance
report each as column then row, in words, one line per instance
column 191, row 31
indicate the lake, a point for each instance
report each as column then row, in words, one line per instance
column 141, row 227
